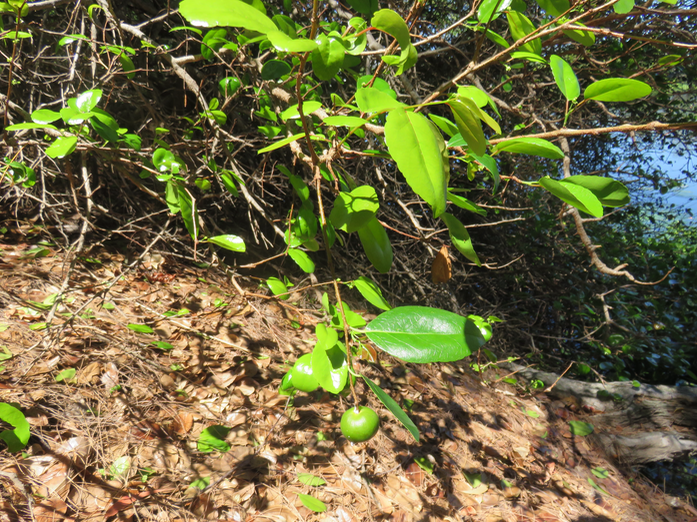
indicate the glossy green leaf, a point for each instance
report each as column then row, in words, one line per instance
column 312, row 503
column 466, row 204
column 521, row 26
column 172, row 197
column 330, row 366
column 616, row 90
column 371, row 292
column 581, row 428
column 277, row 287
column 301, row 188
column 28, row 126
column 104, row 130
column 565, row 77
column 444, row 124
column 420, row 334
column 282, row 42
column 418, row 148
column 140, row 328
column 127, row 65
column 586, row 38
column 376, row 245
column 17, row 438
column 213, row 439
column 45, row 116
column 531, row 146
column 390, row 22
column 460, row 237
column 479, row 97
column 70, row 39
column 212, row 42
column 378, row 83
column 63, row 146
column 302, row 259
column 281, row 143
column 229, row 183
column 328, row 57
column 623, row 6
column 225, row 13
column 609, row 192
column 466, row 115
column 229, row 86
column 352, row 210
column 394, row 408
column 187, row 205
column 372, row 99
column 229, row 242
column 554, row 7
column 344, row 121
column 88, row 100
column 670, row 60
column 575, row 195
column 311, row 480
column 293, row 112
column 356, row 44
column 490, row 9
column 274, row 70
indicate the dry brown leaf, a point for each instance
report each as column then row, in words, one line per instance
column 415, row 474
column 441, row 268
column 182, row 423
column 50, row 511
column 89, row 374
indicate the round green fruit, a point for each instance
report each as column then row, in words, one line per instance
column 359, row 424
column 301, row 375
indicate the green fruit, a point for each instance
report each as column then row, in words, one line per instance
column 301, row 375
column 359, row 424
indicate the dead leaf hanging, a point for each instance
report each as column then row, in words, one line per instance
column 441, row 269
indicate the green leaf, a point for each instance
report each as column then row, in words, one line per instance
column 141, row 328
column 586, row 38
column 301, row 188
column 425, row 464
column 229, row 86
column 376, row 245
column 372, row 99
column 344, row 121
column 601, row 473
column 312, row 503
column 444, row 124
column 302, row 260
column 66, row 375
column 565, row 77
column 623, row 6
column 70, row 39
column 392, row 405
column 554, row 7
column 421, row 335
column 466, row 204
column 63, row 146
column 104, row 130
column 293, row 111
column 187, row 204
column 371, row 292
column 477, row 95
column 88, row 100
column 281, row 143
column 127, row 65
column 277, row 287
column 609, row 192
column 328, row 57
column 330, row 365
column 310, row 480
column 45, row 116
column 521, row 26
column 229, row 242
column 460, row 237
column 213, row 439
column 528, row 56
column 274, row 70
column 575, row 195
column 27, row 126
column 352, row 210
column 282, row 42
column 17, row 438
column 418, row 147
column 580, row 428
column 466, row 114
column 230, row 13
column 616, row 90
column 162, row 345
column 366, row 7
column 490, row 9
column 390, row 22
column 531, row 146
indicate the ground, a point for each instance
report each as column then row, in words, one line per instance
column 154, row 396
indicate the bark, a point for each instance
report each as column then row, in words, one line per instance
column 634, row 424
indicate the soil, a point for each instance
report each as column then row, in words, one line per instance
column 153, row 395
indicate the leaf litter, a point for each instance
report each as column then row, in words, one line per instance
column 122, row 438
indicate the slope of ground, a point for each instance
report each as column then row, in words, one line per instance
column 153, row 396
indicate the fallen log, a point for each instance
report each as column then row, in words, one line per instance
column 635, row 424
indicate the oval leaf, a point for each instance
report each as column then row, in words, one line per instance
column 302, row 260
column 352, row 210
column 460, row 237
column 609, row 192
column 62, row 147
column 565, row 77
column 225, row 13
column 466, row 114
column 285, row 43
column 372, row 99
column 376, row 245
column 581, row 428
column 17, row 438
column 616, row 90
column 370, row 291
column 418, row 151
column 421, row 335
column 312, row 503
column 532, row 146
column 575, row 195
column 229, row 242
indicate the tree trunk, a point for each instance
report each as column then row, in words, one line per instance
column 634, row 424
